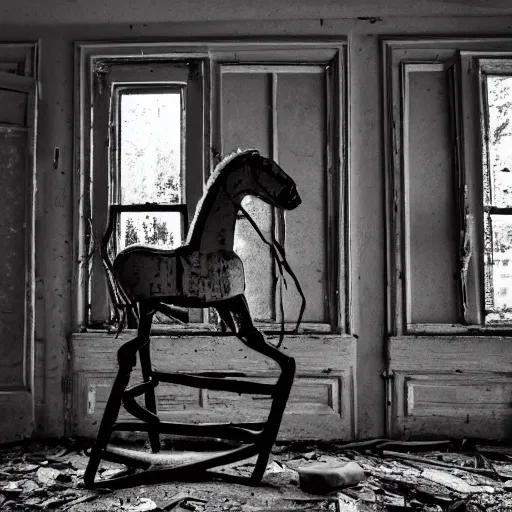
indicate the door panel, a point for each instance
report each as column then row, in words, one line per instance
column 288, row 113
column 14, row 107
column 13, row 147
column 451, row 387
column 320, row 405
column 302, row 142
column 17, row 108
column 429, row 197
column 248, row 96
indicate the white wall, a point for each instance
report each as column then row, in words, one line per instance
column 54, row 237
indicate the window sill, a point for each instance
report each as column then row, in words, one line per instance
column 199, row 329
column 458, row 329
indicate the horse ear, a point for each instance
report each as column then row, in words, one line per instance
column 248, row 154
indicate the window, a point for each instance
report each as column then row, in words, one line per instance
column 149, row 165
column 146, row 157
column 158, row 124
column 497, row 196
column 449, row 140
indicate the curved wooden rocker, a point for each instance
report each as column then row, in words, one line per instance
column 205, row 272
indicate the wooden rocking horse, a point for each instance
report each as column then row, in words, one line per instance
column 205, row 272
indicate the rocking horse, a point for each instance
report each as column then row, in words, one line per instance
column 205, row 272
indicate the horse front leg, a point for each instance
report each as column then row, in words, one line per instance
column 127, row 359
column 235, row 313
column 149, row 395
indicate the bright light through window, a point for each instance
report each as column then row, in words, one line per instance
column 150, row 166
column 498, row 195
column 159, row 229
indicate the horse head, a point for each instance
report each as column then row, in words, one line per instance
column 262, row 177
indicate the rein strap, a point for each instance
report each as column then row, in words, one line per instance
column 278, row 253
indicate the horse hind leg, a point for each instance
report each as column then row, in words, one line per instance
column 236, row 315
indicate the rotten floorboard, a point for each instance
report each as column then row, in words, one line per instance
column 441, row 476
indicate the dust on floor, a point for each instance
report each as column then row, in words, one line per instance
column 442, row 477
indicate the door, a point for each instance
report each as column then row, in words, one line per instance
column 17, row 144
column 286, row 103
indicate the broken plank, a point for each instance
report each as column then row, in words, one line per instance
column 424, row 460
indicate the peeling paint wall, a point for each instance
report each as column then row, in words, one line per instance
column 55, row 208
column 133, row 11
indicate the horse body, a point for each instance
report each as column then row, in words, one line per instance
column 206, row 270
column 181, row 277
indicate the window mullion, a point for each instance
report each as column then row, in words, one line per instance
column 496, row 210
column 98, row 300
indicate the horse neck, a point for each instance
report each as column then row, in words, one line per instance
column 213, row 228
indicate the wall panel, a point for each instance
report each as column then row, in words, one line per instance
column 301, row 128
column 246, row 121
column 320, row 405
column 451, row 387
column 429, row 196
column 17, row 144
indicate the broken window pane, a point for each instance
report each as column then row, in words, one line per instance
column 150, row 147
column 497, row 191
column 158, row 229
column 498, row 273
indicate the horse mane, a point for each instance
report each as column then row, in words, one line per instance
column 220, row 168
column 225, row 163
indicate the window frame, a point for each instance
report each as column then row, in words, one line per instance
column 180, row 207
column 490, row 67
column 464, row 59
column 108, row 75
column 328, row 52
column 119, row 91
column 474, row 66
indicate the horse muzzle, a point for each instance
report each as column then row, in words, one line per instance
column 289, row 198
column 294, row 201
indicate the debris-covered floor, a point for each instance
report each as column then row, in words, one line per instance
column 443, row 476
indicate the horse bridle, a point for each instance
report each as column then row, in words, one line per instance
column 279, row 256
